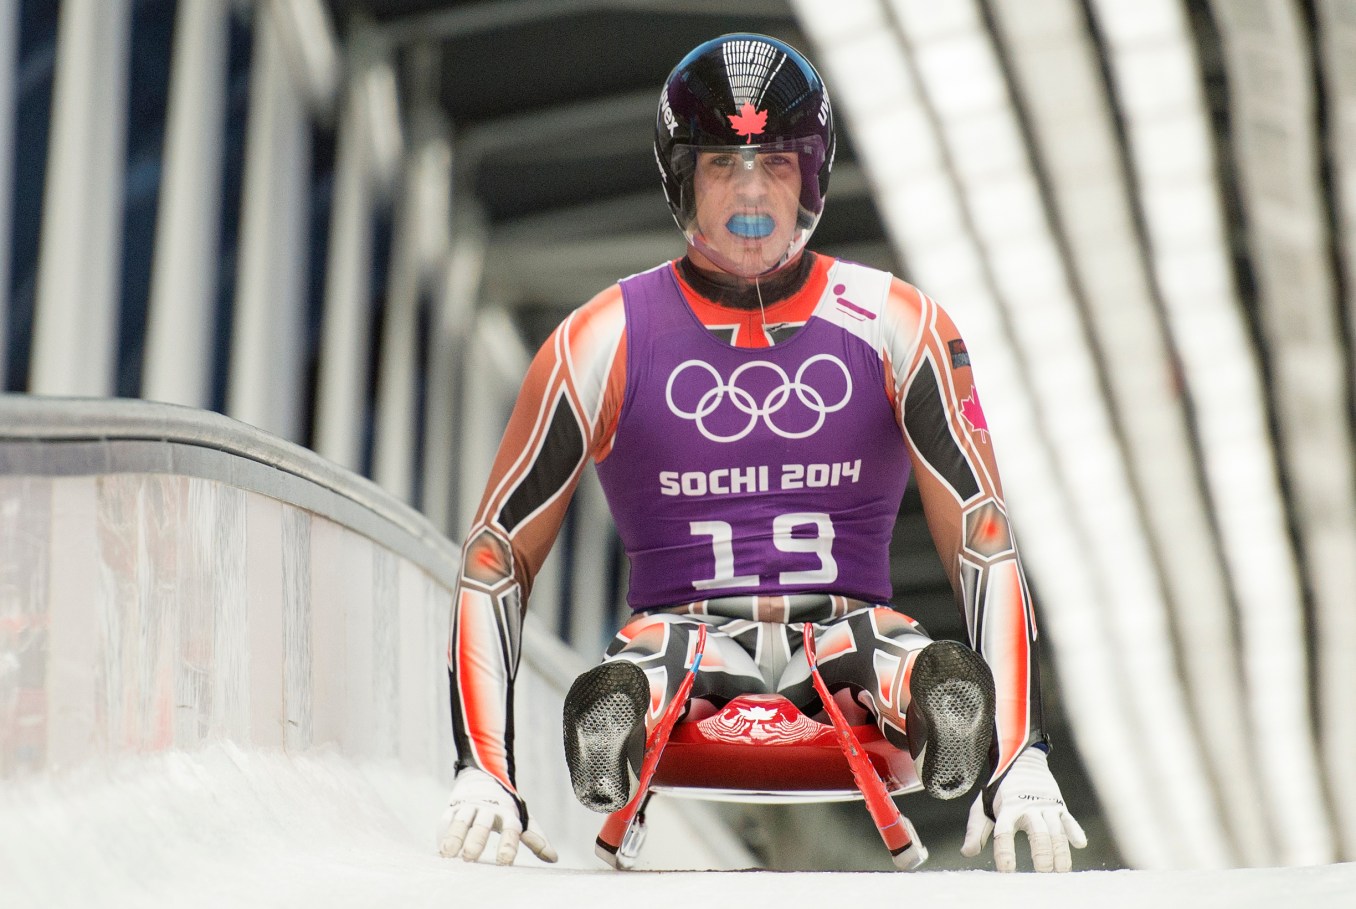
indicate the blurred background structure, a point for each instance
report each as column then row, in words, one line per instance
column 350, row 222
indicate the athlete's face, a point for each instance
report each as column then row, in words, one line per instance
column 746, row 206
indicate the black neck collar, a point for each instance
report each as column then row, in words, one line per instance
column 744, row 293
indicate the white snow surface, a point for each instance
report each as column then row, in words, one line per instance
column 226, row 826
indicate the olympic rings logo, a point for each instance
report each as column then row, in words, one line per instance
column 772, row 404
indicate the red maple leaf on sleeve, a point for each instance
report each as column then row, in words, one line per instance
column 974, row 414
column 749, row 121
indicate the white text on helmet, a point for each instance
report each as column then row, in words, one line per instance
column 667, row 112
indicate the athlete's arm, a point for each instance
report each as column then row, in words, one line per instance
column 565, row 413
column 944, row 428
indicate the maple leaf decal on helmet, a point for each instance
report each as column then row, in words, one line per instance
column 749, row 121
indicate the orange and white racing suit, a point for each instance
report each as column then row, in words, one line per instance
column 567, row 414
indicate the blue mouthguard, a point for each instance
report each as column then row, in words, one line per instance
column 752, row 226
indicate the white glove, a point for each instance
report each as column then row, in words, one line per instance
column 1027, row 799
column 481, row 806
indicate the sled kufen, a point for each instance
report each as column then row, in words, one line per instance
column 761, row 748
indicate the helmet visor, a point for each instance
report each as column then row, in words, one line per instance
column 750, row 208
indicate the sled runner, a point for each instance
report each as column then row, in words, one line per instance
column 760, row 748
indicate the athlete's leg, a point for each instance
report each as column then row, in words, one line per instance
column 934, row 697
column 866, row 655
column 661, row 644
column 611, row 707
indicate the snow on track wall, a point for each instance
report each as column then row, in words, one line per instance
column 170, row 578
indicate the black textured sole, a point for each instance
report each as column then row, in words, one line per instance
column 952, row 694
column 604, row 726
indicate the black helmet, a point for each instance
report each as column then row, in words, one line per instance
column 754, row 96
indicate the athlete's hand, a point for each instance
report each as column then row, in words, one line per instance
column 481, row 806
column 1027, row 799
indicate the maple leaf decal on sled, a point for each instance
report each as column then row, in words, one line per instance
column 749, row 121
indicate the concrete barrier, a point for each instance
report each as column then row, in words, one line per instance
column 170, row 578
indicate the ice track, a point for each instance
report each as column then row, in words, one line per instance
column 232, row 827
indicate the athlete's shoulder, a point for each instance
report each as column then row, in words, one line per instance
column 853, row 295
column 586, row 355
column 609, row 304
column 606, row 300
column 879, row 290
column 597, row 323
column 597, row 329
column 905, row 295
column 874, row 304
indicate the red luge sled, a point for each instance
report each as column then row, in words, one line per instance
column 760, row 748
